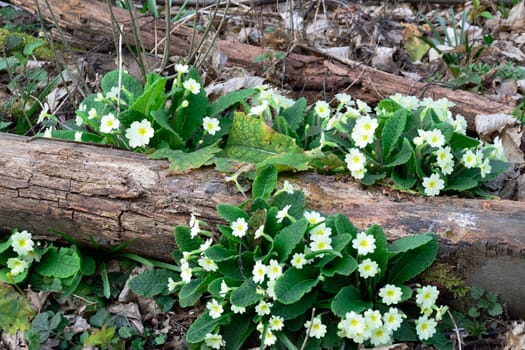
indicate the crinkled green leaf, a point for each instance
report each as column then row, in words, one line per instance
column 295, row 114
column 219, row 253
column 184, row 240
column 191, row 292
column 251, row 140
column 288, row 161
column 61, row 263
column 203, row 325
column 151, row 282
column 173, row 138
column 461, row 183
column 231, row 213
column 291, row 311
column 392, row 131
column 344, row 225
column 405, row 244
column 245, row 295
column 153, row 97
column 380, row 254
column 294, row 284
column 411, row 263
column 226, row 101
column 341, row 266
column 188, row 120
column 15, row 311
column 130, row 84
column 182, row 161
column 348, row 299
column 402, row 156
column 265, row 182
column 288, row 238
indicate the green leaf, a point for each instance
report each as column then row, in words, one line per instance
column 461, row 184
column 130, row 84
column 293, row 310
column 296, row 200
column 231, row 213
column 288, row 161
column 405, row 244
column 191, row 292
column 294, row 284
column 288, row 238
column 189, row 119
column 161, row 118
column 182, row 161
column 348, row 299
column 245, row 295
column 153, row 98
column 340, row 241
column 184, row 241
column 295, row 114
column 340, row 266
column 237, row 331
column 409, row 264
column 460, row 141
column 219, row 253
column 392, row 131
column 203, row 325
column 251, row 140
column 344, row 225
column 5, row 245
column 15, row 310
column 403, row 156
column 380, row 254
column 226, row 101
column 151, row 282
column 403, row 183
column 88, row 266
column 61, row 263
column 265, row 182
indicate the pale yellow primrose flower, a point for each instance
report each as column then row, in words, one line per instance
column 364, row 244
column 139, row 133
column 433, row 184
column 317, row 328
column 108, row 123
column 211, row 125
column 192, row 85
column 214, row 341
column 425, row 327
column 239, row 227
column 17, row 265
column 22, row 242
column 215, row 309
column 368, row 268
column 322, row 109
column 390, row 294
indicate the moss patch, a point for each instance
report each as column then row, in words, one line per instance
column 445, row 276
column 12, row 41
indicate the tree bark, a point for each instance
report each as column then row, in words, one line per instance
column 90, row 20
column 116, row 196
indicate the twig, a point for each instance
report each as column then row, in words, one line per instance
column 309, row 329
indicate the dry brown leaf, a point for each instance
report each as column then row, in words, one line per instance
column 515, row 337
column 130, row 311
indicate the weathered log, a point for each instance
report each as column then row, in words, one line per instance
column 116, row 196
column 90, row 20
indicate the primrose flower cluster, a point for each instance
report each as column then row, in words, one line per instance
column 24, row 249
column 416, row 143
column 273, row 273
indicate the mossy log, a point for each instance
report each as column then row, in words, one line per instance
column 115, row 196
column 90, row 23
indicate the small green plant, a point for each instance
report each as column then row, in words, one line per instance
column 280, row 274
column 485, row 303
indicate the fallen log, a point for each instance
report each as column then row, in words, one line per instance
column 90, row 22
column 115, row 196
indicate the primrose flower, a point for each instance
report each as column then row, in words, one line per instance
column 499, row 151
column 320, row 232
column 259, row 109
column 276, row 323
column 214, row 341
column 195, row 229
column 113, row 93
column 207, row 264
column 410, row 103
column 259, row 232
column 214, row 308
column 298, row 260
column 380, row 336
column 358, row 174
column 435, row 138
column 92, row 113
column 361, row 139
column 345, row 99
column 184, row 104
column 288, row 187
column 22, row 242
column 238, row 309
column 78, row 136
column 353, row 324
column 283, row 213
column 460, row 124
column 31, row 256
column 82, row 107
column 392, row 319
column 185, row 272
column 192, row 86
column 171, row 284
column 78, row 120
column 182, row 68
column 355, row 160
column 447, row 168
column 317, row 328
column 258, row 272
column 324, row 243
column 48, row 132
column 366, row 125
column 273, row 270
column 205, row 245
column 313, row 217
column 368, row 268
column 390, row 294
column 44, row 114
column 263, row 308
column 433, row 184
column 17, row 265
column 269, row 338
column 470, row 159
column 443, row 156
column 139, row 133
column 239, row 227
column 108, row 123
column 211, row 125
column 365, row 244
column 426, row 297
column 224, row 289
column 322, row 109
column 363, row 107
column 485, row 168
column 425, row 327
column 373, row 319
